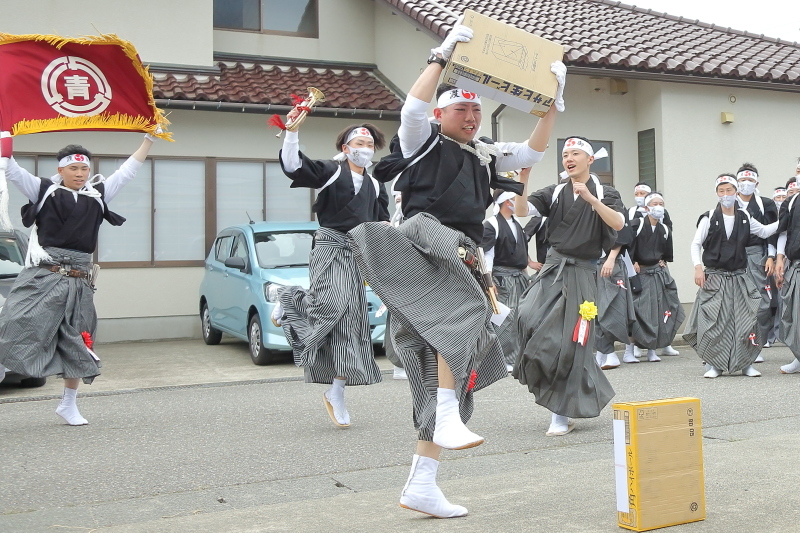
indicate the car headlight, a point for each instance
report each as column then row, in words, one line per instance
column 271, row 291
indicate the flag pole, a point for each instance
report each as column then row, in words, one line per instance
column 6, row 150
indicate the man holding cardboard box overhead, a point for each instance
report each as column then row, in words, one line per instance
column 423, row 270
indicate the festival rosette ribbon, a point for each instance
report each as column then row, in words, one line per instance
column 752, row 339
column 621, row 284
column 768, row 288
column 587, row 311
column 667, row 314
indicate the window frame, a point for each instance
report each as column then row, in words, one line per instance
column 211, row 231
column 261, row 30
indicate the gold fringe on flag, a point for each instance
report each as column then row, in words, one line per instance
column 117, row 121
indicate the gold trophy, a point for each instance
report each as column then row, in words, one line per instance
column 315, row 96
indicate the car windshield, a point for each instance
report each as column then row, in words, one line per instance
column 11, row 259
column 284, row 249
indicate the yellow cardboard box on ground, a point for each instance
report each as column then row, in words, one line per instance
column 505, row 64
column 658, row 462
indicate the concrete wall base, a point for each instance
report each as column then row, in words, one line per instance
column 148, row 328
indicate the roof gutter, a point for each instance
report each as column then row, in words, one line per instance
column 681, row 78
column 263, row 109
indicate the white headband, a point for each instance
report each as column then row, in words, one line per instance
column 725, row 179
column 574, row 143
column 643, row 188
column 73, row 158
column 506, row 195
column 779, row 192
column 793, row 185
column 457, row 96
column 747, row 174
column 651, row 196
column 358, row 132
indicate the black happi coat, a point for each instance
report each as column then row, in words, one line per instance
column 448, row 183
column 650, row 244
column 721, row 251
column 507, row 251
column 790, row 222
column 63, row 222
column 767, row 216
column 573, row 227
column 338, row 207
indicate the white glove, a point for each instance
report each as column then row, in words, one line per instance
column 560, row 70
column 459, row 34
column 153, row 138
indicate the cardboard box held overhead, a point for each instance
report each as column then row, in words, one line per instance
column 658, row 461
column 505, row 64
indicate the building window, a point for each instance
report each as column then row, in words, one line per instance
column 179, row 210
column 603, row 168
column 129, row 242
column 240, row 192
column 647, row 157
column 297, row 18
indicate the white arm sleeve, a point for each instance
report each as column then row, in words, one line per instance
column 782, row 244
column 697, row 243
column 290, row 155
column 770, row 250
column 415, row 128
column 533, row 212
column 23, row 180
column 116, row 181
column 489, row 256
column 513, row 156
column 756, row 228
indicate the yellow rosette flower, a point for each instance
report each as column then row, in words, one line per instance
column 588, row 310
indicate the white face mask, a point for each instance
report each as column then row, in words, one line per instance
column 361, row 157
column 747, row 187
column 779, row 205
column 727, row 201
column 639, row 201
column 656, row 211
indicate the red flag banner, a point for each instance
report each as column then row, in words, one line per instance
column 52, row 83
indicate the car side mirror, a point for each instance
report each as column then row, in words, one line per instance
column 236, row 262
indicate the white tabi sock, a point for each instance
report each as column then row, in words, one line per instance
column 68, row 410
column 637, row 352
column 629, row 349
column 399, row 373
column 450, row 431
column 610, row 360
column 629, row 357
column 791, row 368
column 760, row 358
column 559, row 425
column 277, row 314
column 751, row 371
column 712, row 372
column 334, row 402
column 422, row 494
column 601, row 358
column 669, row 350
column 652, row 357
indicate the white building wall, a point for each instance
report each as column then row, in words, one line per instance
column 346, row 34
column 172, row 32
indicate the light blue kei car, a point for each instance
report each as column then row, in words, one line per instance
column 244, row 270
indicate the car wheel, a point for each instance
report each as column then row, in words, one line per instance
column 211, row 335
column 30, row 383
column 259, row 354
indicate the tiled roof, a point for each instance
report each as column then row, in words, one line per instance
column 271, row 84
column 613, row 35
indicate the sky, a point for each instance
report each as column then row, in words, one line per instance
column 773, row 18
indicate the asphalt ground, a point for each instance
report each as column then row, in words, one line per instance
column 187, row 437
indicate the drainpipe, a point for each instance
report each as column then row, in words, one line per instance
column 496, row 121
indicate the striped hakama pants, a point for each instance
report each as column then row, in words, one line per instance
column 790, row 314
column 43, row 319
column 756, row 260
column 615, row 307
column 436, row 306
column 659, row 312
column 562, row 374
column 328, row 324
column 723, row 319
column 510, row 283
